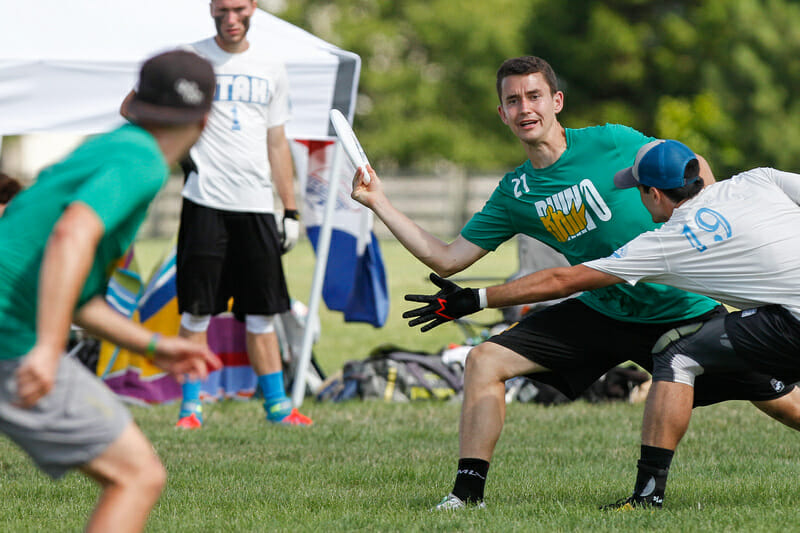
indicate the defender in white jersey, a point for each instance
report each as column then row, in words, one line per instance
column 229, row 245
column 735, row 240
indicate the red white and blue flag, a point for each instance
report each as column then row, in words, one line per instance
column 355, row 278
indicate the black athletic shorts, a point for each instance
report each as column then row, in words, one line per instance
column 768, row 338
column 578, row 345
column 228, row 254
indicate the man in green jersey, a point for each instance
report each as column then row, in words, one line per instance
column 59, row 242
column 564, row 196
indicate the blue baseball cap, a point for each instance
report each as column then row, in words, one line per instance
column 658, row 164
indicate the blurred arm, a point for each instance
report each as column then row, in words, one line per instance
column 65, row 266
column 66, row 262
column 181, row 357
column 100, row 320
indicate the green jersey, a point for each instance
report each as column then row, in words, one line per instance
column 574, row 207
column 117, row 175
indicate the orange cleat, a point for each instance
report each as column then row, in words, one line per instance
column 296, row 419
column 190, row 422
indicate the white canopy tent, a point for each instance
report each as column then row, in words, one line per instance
column 65, row 66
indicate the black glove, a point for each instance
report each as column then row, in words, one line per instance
column 450, row 303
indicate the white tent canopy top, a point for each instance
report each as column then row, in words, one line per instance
column 65, row 66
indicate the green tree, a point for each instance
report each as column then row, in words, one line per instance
column 719, row 75
column 426, row 93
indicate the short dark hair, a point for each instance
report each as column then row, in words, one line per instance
column 9, row 187
column 692, row 180
column 526, row 65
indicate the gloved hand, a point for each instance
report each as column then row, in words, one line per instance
column 450, row 303
column 290, row 230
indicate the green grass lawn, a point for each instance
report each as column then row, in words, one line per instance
column 375, row 466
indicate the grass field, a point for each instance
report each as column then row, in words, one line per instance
column 373, row 466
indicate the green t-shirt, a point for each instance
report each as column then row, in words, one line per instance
column 117, row 175
column 574, row 207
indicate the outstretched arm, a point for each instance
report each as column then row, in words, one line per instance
column 179, row 356
column 452, row 302
column 548, row 284
column 443, row 258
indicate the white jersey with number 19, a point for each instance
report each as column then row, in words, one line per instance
column 738, row 241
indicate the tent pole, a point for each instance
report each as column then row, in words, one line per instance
column 323, row 246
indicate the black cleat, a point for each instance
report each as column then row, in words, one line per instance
column 634, row 502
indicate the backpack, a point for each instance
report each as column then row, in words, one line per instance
column 622, row 383
column 393, row 374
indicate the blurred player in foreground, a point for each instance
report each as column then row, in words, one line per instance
column 563, row 196
column 736, row 241
column 59, row 241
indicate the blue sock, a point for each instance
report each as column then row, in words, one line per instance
column 276, row 403
column 191, row 390
column 191, row 399
column 272, row 385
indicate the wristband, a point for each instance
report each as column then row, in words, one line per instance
column 291, row 213
column 482, row 299
column 151, row 346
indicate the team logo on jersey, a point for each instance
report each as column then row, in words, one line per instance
column 572, row 212
column 240, row 88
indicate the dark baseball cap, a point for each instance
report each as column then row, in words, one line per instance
column 174, row 88
column 660, row 164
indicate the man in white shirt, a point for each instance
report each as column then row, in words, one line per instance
column 229, row 245
column 735, row 240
